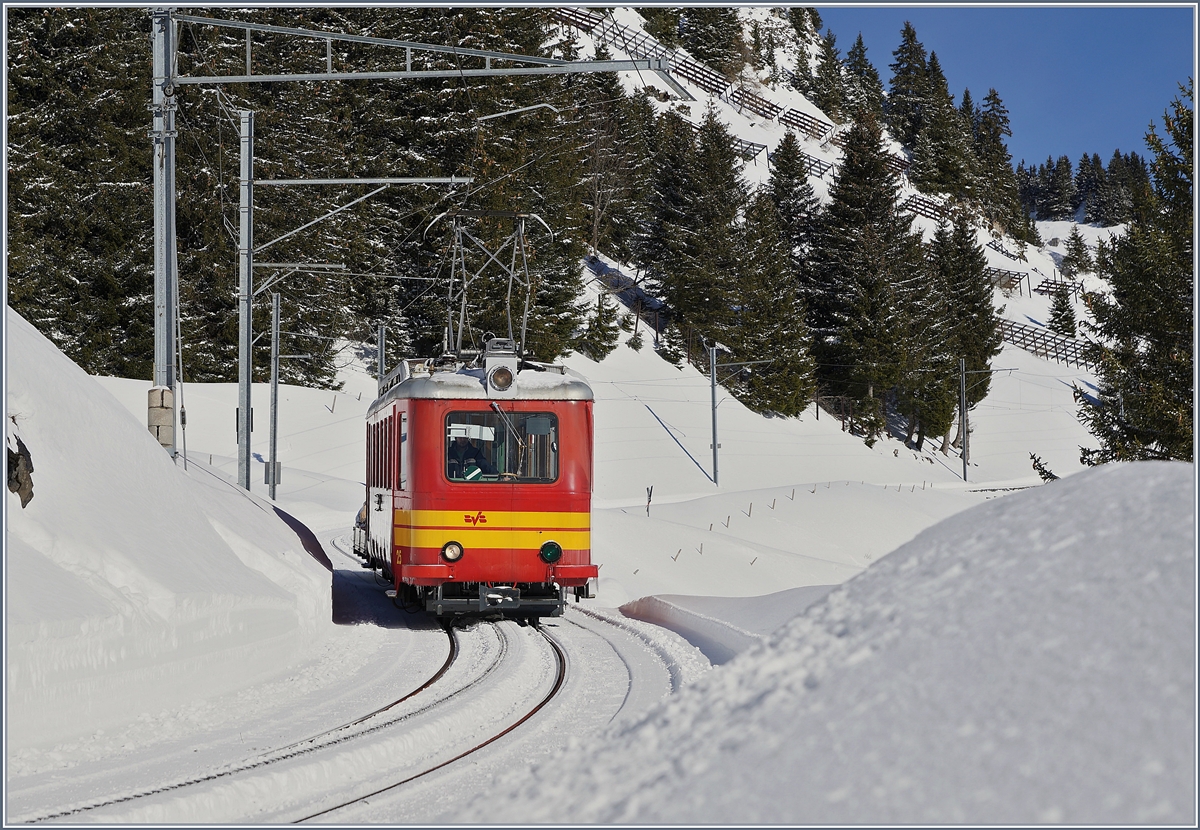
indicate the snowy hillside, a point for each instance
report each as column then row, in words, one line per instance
column 1026, row 661
column 129, row 584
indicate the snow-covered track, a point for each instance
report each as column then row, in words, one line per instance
column 560, row 675
column 484, row 655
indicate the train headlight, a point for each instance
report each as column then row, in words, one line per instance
column 501, row 378
column 551, row 552
column 452, row 551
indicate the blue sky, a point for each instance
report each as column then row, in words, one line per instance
column 1075, row 79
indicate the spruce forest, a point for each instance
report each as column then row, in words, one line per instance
column 845, row 297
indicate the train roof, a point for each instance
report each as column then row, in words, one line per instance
column 534, row 382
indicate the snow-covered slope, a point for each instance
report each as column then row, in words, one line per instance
column 1030, row 660
column 128, row 583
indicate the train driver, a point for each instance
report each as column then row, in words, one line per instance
column 462, row 454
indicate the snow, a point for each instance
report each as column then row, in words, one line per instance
column 1028, row 660
column 127, row 583
column 1028, row 656
column 833, row 634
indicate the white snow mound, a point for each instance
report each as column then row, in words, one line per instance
column 1028, row 660
column 135, row 591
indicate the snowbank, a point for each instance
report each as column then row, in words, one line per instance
column 1031, row 659
column 723, row 627
column 131, row 584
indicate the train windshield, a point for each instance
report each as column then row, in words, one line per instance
column 502, row 447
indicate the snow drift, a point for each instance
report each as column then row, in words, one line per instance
column 129, row 582
column 1028, row 660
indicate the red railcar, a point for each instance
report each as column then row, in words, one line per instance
column 479, row 483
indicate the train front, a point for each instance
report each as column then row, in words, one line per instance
column 497, row 516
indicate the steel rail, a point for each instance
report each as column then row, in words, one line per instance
column 269, row 757
column 558, row 683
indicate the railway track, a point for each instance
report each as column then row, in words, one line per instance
column 493, row 679
column 413, row 721
column 560, row 677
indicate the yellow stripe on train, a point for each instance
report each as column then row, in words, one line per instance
column 409, row 537
column 481, row 519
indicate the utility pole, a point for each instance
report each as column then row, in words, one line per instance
column 712, row 376
column 272, row 463
column 962, row 406
column 166, row 278
column 245, row 294
column 381, row 358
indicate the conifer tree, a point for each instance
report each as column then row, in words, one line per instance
column 688, row 246
column 662, row 23
column 602, row 332
column 829, row 86
column 789, row 189
column 78, row 178
column 802, row 79
column 865, row 259
column 771, row 318
column 1077, row 259
column 943, row 159
column 971, row 115
column 864, row 89
column 1058, row 190
column 997, row 188
column 1144, row 402
column 904, row 110
column 1062, row 313
column 958, row 265
column 713, row 35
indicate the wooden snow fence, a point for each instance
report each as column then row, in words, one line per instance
column 924, row 206
column 1004, row 279
column 748, row 150
column 816, row 166
column 1050, row 285
column 744, row 99
column 840, row 407
column 810, row 125
column 1045, row 343
column 996, row 246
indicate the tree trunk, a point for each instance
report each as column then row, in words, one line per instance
column 921, row 436
column 912, row 425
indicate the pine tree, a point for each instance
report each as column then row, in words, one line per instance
column 943, row 159
column 864, row 261
column 1144, row 402
column 795, row 202
column 1062, row 313
column 661, row 23
column 864, row 90
column 713, row 35
column 1059, row 190
column 829, row 86
column 998, row 189
column 78, row 178
column 603, row 330
column 802, row 79
column 904, row 110
column 958, row 267
column 1077, row 259
column 771, row 317
column 687, row 248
